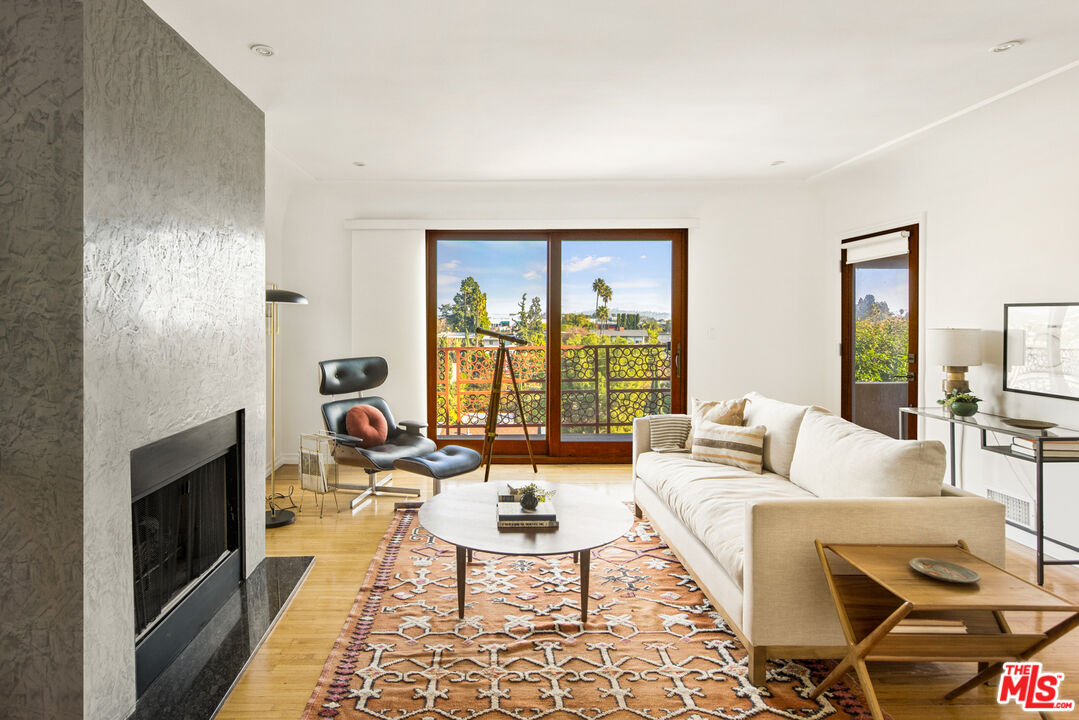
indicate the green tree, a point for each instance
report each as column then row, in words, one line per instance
column 468, row 310
column 870, row 308
column 653, row 328
column 530, row 324
column 577, row 320
column 880, row 346
column 602, row 313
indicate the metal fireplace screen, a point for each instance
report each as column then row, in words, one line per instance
column 180, row 532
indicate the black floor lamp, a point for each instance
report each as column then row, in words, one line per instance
column 276, row 517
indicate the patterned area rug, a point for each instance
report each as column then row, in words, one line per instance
column 653, row 647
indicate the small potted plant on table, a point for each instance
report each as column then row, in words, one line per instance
column 530, row 496
column 962, row 404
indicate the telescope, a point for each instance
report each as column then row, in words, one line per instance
column 503, row 362
column 501, row 336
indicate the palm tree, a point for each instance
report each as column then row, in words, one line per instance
column 602, row 291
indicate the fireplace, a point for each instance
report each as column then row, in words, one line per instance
column 187, row 537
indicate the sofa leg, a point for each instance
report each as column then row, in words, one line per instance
column 637, row 512
column 758, row 658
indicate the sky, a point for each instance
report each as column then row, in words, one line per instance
column 638, row 272
column 889, row 285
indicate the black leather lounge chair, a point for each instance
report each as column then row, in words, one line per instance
column 403, row 439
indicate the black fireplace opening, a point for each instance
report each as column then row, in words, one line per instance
column 187, row 537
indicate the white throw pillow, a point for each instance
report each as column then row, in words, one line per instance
column 742, row 447
column 724, row 412
column 783, row 421
column 838, row 459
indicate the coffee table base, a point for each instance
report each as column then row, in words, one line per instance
column 464, row 555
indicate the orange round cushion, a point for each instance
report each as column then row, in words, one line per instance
column 367, row 424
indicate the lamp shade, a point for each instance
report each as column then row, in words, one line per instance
column 274, row 295
column 957, row 347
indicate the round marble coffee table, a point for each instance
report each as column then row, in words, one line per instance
column 466, row 518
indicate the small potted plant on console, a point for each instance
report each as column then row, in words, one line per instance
column 962, row 404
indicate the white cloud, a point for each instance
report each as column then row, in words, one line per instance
column 448, row 279
column 530, row 275
column 451, row 265
column 644, row 257
column 576, row 264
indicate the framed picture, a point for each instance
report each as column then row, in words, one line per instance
column 1041, row 349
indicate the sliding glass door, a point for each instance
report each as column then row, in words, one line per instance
column 603, row 316
column 498, row 283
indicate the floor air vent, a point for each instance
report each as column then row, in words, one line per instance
column 1015, row 509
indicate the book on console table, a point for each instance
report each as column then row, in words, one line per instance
column 1050, row 448
column 1047, row 443
column 920, row 626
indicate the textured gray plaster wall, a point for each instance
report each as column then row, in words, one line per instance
column 174, row 266
column 41, row 456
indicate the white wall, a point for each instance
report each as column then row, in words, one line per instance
column 999, row 189
column 757, row 284
column 282, row 177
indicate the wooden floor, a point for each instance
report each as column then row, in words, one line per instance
column 283, row 673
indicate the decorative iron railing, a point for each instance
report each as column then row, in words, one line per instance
column 603, row 388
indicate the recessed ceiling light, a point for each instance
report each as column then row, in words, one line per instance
column 776, row 163
column 1005, row 46
column 261, row 49
column 359, row 164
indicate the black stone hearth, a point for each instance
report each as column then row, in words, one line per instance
column 197, row 682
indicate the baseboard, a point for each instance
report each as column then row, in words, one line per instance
column 284, row 459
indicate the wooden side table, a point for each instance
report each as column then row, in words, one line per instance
column 872, row 604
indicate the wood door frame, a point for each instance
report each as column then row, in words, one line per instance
column 846, row 310
column 555, row 451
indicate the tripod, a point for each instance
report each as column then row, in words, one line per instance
column 502, row 358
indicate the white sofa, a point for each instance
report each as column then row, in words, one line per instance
column 748, row 539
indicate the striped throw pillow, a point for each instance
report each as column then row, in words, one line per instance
column 742, row 447
column 668, row 433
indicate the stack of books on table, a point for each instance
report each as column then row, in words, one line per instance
column 511, row 516
column 1051, row 448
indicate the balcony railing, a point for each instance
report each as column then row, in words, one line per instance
column 603, row 388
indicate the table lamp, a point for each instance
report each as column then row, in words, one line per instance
column 956, row 350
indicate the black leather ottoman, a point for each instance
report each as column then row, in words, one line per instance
column 443, row 463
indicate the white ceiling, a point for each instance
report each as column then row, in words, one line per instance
column 613, row 89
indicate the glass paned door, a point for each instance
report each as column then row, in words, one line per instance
column 880, row 334
column 501, row 285
column 616, row 347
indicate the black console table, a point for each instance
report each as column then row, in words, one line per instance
column 986, row 423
